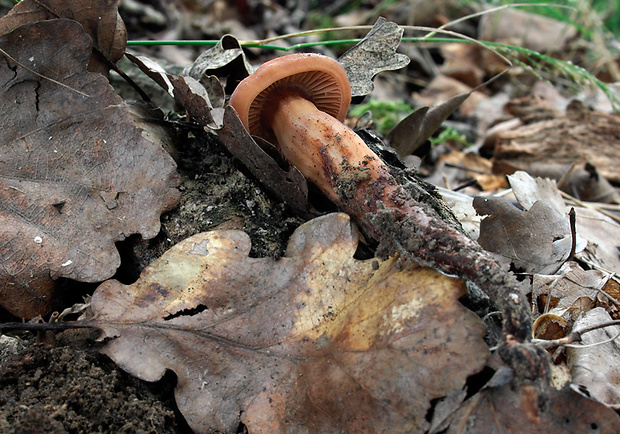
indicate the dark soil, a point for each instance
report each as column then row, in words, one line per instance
column 69, row 387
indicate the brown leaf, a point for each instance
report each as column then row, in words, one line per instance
column 374, row 54
column 316, row 341
column 588, row 185
column 289, row 186
column 580, row 136
column 527, row 409
column 415, row 129
column 526, row 29
column 463, row 62
column 188, row 92
column 534, row 240
column 529, row 190
column 100, row 20
column 76, row 175
column 594, row 229
column 596, row 366
column 569, row 290
column 603, row 236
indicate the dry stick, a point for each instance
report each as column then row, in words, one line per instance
column 44, row 326
column 596, row 207
column 576, row 336
column 573, row 233
column 402, row 224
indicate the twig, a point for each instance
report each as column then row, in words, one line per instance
column 43, row 326
column 589, row 206
column 573, row 233
column 575, row 336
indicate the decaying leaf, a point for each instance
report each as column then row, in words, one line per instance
column 154, row 71
column 603, row 236
column 597, row 367
column 579, row 136
column 461, row 205
column 205, row 106
column 598, row 234
column 463, row 62
column 587, row 184
column 529, row 190
column 566, row 297
column 458, row 167
column 528, row 408
column 316, row 341
column 225, row 59
column 416, row 128
column 375, row 53
column 406, row 137
column 289, row 185
column 533, row 31
column 569, row 293
column 537, row 240
column 76, row 175
column 100, row 20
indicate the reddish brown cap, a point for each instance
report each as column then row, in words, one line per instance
column 320, row 79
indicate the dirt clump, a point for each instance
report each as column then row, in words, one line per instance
column 71, row 388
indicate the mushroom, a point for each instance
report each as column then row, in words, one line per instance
column 298, row 103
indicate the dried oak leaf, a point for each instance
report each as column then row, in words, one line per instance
column 316, row 341
column 99, row 18
column 372, row 55
column 76, row 175
column 225, row 59
column 205, row 106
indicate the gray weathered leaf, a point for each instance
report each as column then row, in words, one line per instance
column 224, row 59
column 537, row 240
column 188, row 92
column 375, row 53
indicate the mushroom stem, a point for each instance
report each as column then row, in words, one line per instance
column 325, row 151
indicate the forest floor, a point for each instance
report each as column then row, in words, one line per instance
column 59, row 382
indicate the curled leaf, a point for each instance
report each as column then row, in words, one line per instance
column 225, row 59
column 596, row 366
column 419, row 126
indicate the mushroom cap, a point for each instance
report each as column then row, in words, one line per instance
column 320, row 79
